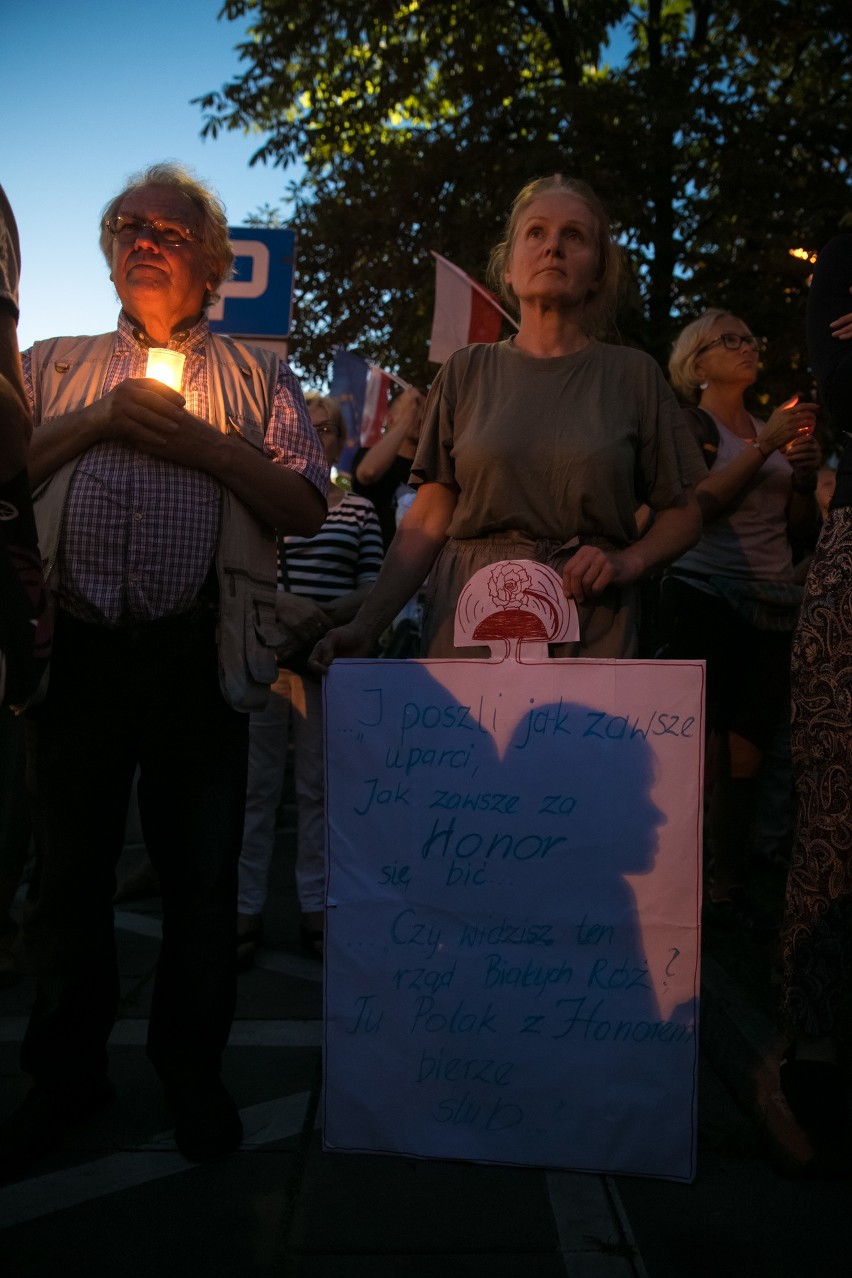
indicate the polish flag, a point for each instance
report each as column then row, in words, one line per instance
column 375, row 411
column 464, row 312
column 362, row 391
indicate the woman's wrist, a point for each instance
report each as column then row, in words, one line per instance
column 757, row 444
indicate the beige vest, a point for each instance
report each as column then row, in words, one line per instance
column 68, row 374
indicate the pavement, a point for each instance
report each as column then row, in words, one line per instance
column 117, row 1197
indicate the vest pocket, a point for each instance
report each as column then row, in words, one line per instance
column 247, row 428
column 260, row 655
column 246, row 633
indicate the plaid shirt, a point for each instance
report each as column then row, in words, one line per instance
column 139, row 532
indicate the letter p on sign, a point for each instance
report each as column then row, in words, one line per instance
column 257, row 282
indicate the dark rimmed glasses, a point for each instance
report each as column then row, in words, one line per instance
column 733, row 342
column 127, row 229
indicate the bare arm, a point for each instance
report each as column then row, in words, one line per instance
column 672, row 533
column 274, row 493
column 724, row 484
column 346, row 607
column 412, row 553
column 406, row 414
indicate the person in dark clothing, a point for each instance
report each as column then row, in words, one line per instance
column 154, row 513
column 817, row 932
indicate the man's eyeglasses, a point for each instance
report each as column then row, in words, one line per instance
column 733, row 342
column 130, row 228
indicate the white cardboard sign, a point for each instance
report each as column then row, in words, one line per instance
column 512, row 953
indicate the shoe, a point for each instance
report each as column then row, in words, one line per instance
column 207, row 1122
column 816, row 1094
column 42, row 1121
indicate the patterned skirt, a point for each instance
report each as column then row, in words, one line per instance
column 817, row 932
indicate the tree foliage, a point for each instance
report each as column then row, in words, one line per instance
column 716, row 134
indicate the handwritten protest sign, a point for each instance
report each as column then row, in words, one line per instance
column 514, row 899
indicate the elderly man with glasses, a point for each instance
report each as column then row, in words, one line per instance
column 155, row 511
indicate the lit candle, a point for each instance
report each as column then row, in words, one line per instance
column 166, row 366
column 805, row 431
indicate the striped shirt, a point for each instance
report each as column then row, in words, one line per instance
column 346, row 553
column 139, row 532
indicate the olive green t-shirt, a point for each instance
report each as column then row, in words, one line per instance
column 554, row 447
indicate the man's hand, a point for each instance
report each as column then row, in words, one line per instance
column 299, row 621
column 148, row 415
column 139, row 411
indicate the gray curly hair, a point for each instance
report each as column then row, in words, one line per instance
column 218, row 254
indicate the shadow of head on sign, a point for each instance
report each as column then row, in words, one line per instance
column 500, row 797
column 512, row 878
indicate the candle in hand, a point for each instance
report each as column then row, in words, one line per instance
column 166, row 366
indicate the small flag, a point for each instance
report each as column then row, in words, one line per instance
column 464, row 312
column 375, row 405
column 362, row 391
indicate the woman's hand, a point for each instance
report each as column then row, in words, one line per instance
column 406, row 413
column 591, row 570
column 354, row 640
column 785, row 424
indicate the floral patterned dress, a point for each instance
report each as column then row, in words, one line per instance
column 818, row 923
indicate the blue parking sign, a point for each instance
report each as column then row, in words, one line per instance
column 258, row 301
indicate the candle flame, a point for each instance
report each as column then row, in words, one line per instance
column 803, row 254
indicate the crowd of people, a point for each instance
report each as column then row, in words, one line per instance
column 189, row 642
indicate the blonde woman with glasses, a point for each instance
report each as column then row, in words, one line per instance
column 731, row 599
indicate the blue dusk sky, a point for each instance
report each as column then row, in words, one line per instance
column 90, row 92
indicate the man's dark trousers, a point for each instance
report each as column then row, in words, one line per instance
column 145, row 696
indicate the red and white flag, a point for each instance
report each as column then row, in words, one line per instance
column 376, row 394
column 464, row 312
column 362, row 391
